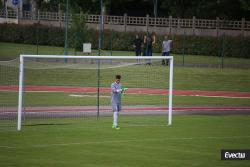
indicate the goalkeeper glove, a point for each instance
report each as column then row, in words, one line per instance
column 124, row 89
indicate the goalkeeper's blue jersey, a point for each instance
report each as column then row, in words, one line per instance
column 115, row 94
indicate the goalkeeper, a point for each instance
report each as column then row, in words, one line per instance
column 116, row 92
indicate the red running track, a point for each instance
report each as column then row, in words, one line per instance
column 224, row 94
column 76, row 109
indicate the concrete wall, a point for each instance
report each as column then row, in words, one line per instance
column 175, row 31
column 9, row 20
column 158, row 30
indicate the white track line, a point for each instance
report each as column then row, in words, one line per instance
column 226, row 97
column 8, row 147
column 74, row 95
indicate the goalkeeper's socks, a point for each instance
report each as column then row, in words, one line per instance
column 115, row 117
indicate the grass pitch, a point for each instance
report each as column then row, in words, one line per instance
column 9, row 99
column 13, row 50
column 142, row 141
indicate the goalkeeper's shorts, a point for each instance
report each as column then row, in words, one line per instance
column 116, row 107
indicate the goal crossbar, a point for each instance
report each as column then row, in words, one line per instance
column 21, row 76
column 96, row 57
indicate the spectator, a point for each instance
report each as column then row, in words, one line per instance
column 148, row 46
column 137, row 43
column 166, row 47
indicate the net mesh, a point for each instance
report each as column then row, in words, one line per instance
column 80, row 88
column 8, row 93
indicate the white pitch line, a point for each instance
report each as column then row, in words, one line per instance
column 123, row 141
column 7, row 147
column 74, row 95
column 229, row 97
column 34, row 91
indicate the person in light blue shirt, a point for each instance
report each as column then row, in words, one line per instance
column 116, row 92
column 166, row 47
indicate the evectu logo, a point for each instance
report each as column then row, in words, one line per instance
column 235, row 154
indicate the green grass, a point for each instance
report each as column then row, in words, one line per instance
column 184, row 78
column 64, row 99
column 156, row 76
column 141, row 142
column 13, row 50
column 211, row 79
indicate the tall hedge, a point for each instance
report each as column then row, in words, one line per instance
column 197, row 45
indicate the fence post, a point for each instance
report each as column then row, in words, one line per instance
column 170, row 24
column 38, row 15
column 21, row 9
column 178, row 23
column 147, row 22
column 193, row 24
column 17, row 14
column 6, row 11
column 217, row 26
column 125, row 21
column 33, row 15
column 243, row 26
column 183, row 48
column 223, row 50
column 59, row 15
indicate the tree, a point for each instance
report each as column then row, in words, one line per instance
column 79, row 30
column 226, row 9
column 245, row 5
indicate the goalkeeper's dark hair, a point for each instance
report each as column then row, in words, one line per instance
column 118, row 77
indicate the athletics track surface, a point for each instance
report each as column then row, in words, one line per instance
column 221, row 94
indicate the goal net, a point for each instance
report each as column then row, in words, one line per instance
column 8, row 93
column 53, row 87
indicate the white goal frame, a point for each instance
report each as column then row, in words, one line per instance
column 21, row 74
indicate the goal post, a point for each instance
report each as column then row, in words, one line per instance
column 133, row 64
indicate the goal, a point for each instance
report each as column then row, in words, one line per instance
column 56, row 86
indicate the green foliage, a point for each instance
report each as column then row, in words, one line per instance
column 226, row 9
column 78, row 31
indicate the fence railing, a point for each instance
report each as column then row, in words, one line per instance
column 136, row 21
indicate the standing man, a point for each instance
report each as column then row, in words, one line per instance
column 137, row 43
column 148, row 44
column 166, row 46
column 116, row 92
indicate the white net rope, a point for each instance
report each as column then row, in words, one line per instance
column 59, row 63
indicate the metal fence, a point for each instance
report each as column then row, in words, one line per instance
column 130, row 20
